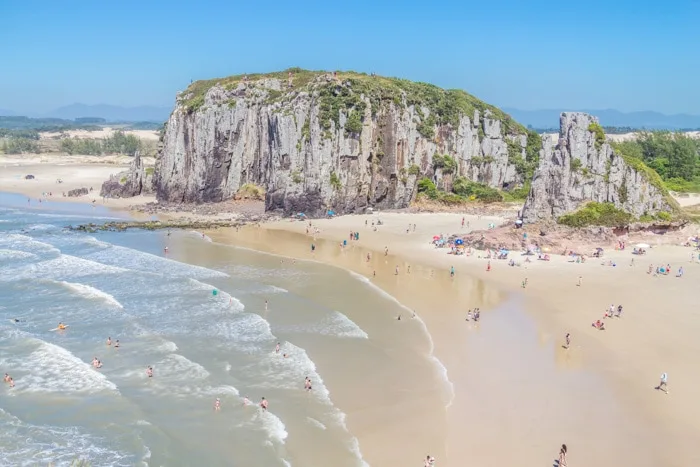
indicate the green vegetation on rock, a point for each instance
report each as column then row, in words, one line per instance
column 598, row 214
column 351, row 90
column 335, row 181
column 447, row 163
column 599, row 134
column 463, row 191
column 674, row 156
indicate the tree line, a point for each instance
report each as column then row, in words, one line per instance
column 674, row 156
column 118, row 143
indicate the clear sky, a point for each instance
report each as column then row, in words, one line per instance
column 627, row 55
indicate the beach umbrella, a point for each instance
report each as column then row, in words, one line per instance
column 642, row 245
column 459, row 241
column 436, row 237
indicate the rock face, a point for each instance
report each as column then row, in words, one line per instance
column 316, row 141
column 581, row 167
column 135, row 181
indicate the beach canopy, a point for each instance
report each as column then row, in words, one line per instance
column 503, row 252
column 642, row 245
column 459, row 241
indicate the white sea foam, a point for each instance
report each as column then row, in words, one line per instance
column 225, row 299
column 276, row 430
column 244, row 328
column 141, row 261
column 27, row 243
column 316, row 423
column 26, row 444
column 166, row 347
column 355, row 449
column 62, row 268
column 439, row 365
column 91, row 292
column 56, row 370
column 6, row 255
column 335, row 324
column 177, row 367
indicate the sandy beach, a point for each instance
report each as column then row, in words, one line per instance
column 598, row 396
column 516, row 395
column 74, row 171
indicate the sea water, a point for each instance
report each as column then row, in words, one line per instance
column 206, row 317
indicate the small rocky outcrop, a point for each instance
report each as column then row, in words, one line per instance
column 135, row 181
column 315, row 141
column 581, row 166
column 78, row 192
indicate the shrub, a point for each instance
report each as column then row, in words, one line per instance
column 472, row 190
column 593, row 213
column 599, row 134
column 296, row 177
column 251, row 191
column 575, row 165
column 354, row 122
column 150, row 170
column 426, row 186
column 335, row 181
column 414, row 170
column 446, row 163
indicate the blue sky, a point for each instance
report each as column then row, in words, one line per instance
column 626, row 55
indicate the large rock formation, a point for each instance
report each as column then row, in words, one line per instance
column 317, row 141
column 581, row 167
column 135, row 181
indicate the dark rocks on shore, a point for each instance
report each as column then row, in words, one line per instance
column 78, row 192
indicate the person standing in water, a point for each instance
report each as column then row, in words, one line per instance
column 109, row 341
column 263, row 404
column 149, row 371
column 217, row 405
column 277, row 348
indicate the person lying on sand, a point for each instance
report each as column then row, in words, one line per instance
column 599, row 325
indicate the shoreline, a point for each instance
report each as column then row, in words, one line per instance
column 628, row 356
column 590, row 351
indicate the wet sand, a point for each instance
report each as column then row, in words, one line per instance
column 514, row 384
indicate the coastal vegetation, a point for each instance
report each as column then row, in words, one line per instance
column 19, row 146
column 118, row 143
column 463, row 191
column 50, row 124
column 675, row 157
column 607, row 215
column 349, row 92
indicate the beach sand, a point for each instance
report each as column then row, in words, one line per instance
column 75, row 171
column 516, row 393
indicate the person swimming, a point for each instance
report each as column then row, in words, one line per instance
column 61, row 326
column 246, row 401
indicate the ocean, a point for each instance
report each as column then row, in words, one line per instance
column 207, row 317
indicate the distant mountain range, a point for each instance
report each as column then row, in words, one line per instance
column 111, row 113
column 543, row 119
column 538, row 119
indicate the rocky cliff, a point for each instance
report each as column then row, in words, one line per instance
column 341, row 141
column 581, row 166
column 136, row 180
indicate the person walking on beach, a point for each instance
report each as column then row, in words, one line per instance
column 580, row 280
column 396, row 271
column 663, row 384
column 429, row 461
column 452, row 271
column 568, row 340
column 562, row 456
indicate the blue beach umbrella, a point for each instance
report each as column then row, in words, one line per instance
column 459, row 241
